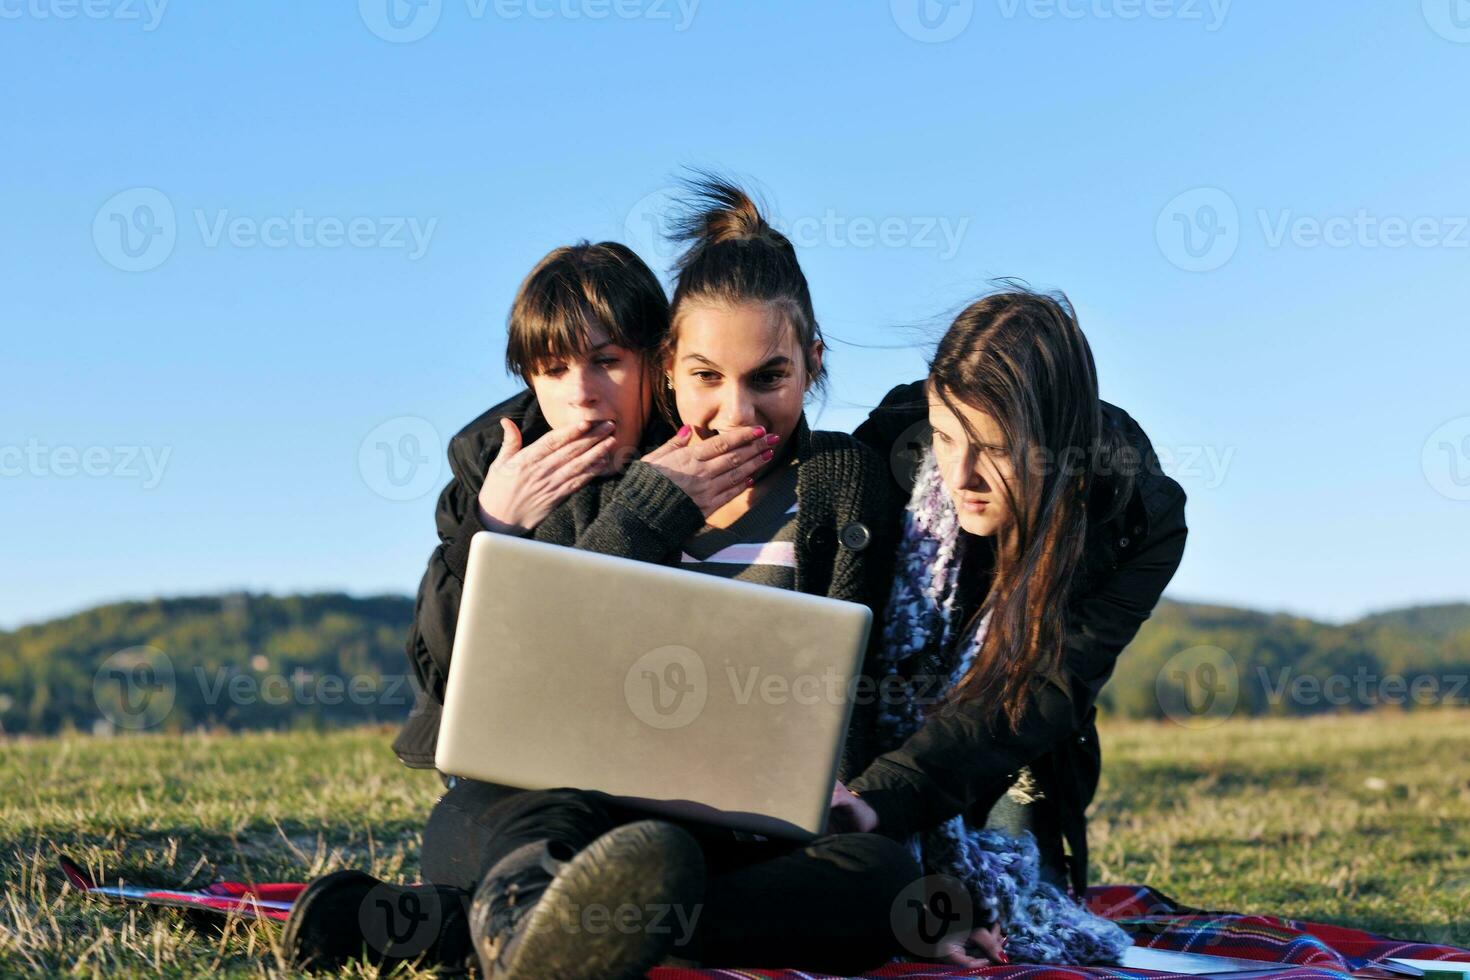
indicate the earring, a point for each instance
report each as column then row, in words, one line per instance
column 669, row 381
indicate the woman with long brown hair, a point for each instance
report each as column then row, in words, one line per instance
column 1038, row 536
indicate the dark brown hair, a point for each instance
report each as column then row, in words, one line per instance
column 1020, row 357
column 734, row 256
column 576, row 287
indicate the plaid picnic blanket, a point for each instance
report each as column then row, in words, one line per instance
column 1304, row 950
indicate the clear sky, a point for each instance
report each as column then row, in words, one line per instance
column 254, row 253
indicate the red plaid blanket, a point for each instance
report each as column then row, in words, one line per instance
column 1302, row 949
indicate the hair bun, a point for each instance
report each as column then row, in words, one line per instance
column 717, row 211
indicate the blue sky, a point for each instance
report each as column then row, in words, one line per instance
column 1259, row 209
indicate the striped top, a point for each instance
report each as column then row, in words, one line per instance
column 760, row 546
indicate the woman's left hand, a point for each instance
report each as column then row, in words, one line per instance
column 990, row 941
column 849, row 814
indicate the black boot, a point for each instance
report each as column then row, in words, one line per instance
column 608, row 912
column 350, row 914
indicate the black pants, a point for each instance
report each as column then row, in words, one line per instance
column 825, row 905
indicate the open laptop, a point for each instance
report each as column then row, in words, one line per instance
column 681, row 693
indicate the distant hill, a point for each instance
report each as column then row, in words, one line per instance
column 236, row 661
column 260, row 661
column 1287, row 665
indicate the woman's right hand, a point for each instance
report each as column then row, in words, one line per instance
column 523, row 485
column 714, row 471
column 988, row 941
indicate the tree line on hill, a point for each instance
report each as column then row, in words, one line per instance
column 243, row 661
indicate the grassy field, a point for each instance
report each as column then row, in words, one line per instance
column 1363, row 821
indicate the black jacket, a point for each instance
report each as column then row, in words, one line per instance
column 845, row 540
column 436, row 609
column 954, row 763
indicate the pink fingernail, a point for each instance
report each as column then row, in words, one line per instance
column 767, row 454
column 760, row 430
column 772, row 439
column 683, row 431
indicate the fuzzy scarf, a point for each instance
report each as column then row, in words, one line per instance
column 1001, row 873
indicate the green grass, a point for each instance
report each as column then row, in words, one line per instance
column 1360, row 821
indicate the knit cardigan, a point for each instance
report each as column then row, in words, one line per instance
column 845, row 535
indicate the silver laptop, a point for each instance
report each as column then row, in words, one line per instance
column 681, row 693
